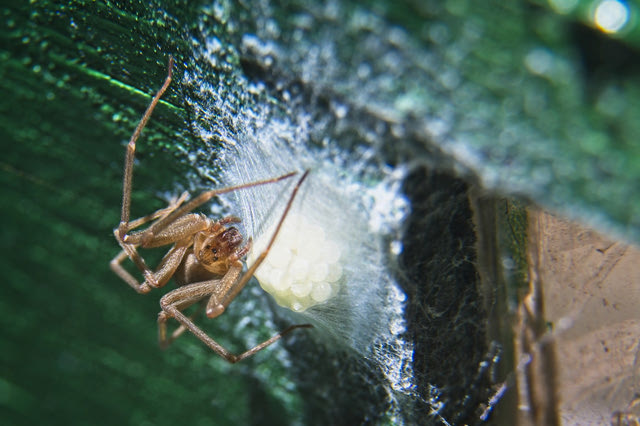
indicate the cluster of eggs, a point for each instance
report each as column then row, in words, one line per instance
column 302, row 268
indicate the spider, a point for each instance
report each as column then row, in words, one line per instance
column 206, row 256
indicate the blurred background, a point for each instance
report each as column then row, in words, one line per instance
column 480, row 115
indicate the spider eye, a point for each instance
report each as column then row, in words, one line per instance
column 215, row 258
column 214, row 250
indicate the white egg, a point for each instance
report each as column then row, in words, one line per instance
column 318, row 272
column 301, row 289
column 321, row 292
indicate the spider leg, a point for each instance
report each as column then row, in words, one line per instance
column 153, row 279
column 163, row 317
column 180, row 233
column 229, row 219
column 239, row 285
column 130, row 250
column 116, row 266
column 267, row 342
column 131, row 150
column 174, row 301
column 199, row 200
column 174, row 204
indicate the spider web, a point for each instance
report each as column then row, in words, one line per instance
column 403, row 341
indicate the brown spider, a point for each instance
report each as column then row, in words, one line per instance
column 205, row 258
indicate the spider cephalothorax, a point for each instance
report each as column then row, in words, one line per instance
column 215, row 249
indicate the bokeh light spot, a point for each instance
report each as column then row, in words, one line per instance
column 611, row 16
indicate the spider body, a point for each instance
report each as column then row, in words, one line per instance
column 205, row 257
